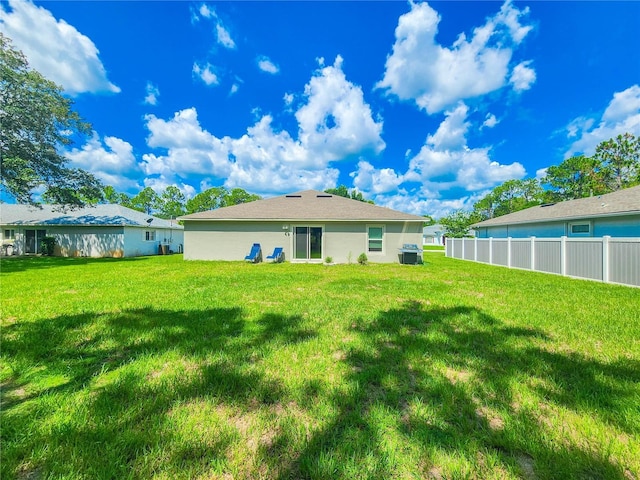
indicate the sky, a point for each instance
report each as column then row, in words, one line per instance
column 422, row 107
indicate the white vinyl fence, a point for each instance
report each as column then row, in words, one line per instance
column 607, row 259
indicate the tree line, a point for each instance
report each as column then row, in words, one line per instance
column 172, row 203
column 615, row 165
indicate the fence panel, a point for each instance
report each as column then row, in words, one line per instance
column 521, row 253
column 484, row 251
column 624, row 261
column 501, row 252
column 605, row 259
column 469, row 248
column 584, row 259
column 548, row 254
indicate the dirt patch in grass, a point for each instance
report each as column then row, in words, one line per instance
column 457, row 376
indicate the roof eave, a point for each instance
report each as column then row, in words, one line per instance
column 559, row 219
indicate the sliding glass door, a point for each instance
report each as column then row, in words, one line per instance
column 32, row 239
column 307, row 243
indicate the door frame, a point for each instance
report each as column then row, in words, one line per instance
column 308, row 259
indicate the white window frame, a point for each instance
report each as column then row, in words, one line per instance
column 149, row 235
column 375, row 252
column 571, row 233
column 11, row 236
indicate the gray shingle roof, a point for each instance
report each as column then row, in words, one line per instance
column 103, row 215
column 308, row 205
column 622, row 202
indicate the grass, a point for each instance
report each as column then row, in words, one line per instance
column 433, row 248
column 159, row 368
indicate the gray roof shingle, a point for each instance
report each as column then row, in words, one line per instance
column 626, row 201
column 102, row 215
column 307, row 205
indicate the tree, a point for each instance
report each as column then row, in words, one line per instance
column 458, row 223
column 619, row 160
column 114, row 197
column 511, row 196
column 343, row 191
column 145, row 201
column 210, row 199
column 36, row 121
column 238, row 196
column 575, row 177
column 171, row 203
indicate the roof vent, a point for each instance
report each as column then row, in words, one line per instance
column 325, row 195
column 547, row 204
column 293, row 196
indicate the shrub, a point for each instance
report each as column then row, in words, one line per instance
column 47, row 245
column 328, row 260
column 362, row 259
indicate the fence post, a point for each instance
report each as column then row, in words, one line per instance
column 475, row 249
column 605, row 258
column 462, row 254
column 563, row 256
column 533, row 253
column 509, row 252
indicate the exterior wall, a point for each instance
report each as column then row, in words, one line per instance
column 76, row 241
column 343, row 241
column 233, row 240
column 623, row 226
column 97, row 241
column 88, row 241
column 617, row 226
column 136, row 245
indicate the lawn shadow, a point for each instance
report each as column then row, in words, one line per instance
column 132, row 373
column 443, row 379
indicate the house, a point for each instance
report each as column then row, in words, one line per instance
column 100, row 231
column 433, row 235
column 309, row 225
column 615, row 214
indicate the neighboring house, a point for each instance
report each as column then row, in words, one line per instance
column 309, row 225
column 100, row 231
column 615, row 214
column 433, row 235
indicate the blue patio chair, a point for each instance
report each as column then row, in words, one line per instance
column 277, row 256
column 255, row 255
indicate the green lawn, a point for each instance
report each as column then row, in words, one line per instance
column 159, row 368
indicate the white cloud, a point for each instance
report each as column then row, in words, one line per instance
column 223, row 37
column 522, row 77
column 190, row 149
column 490, row 121
column 436, row 77
column 206, row 74
column 375, row 181
column 445, row 162
column 111, row 160
column 336, row 122
column 54, row 48
column 151, row 98
column 622, row 115
column 266, row 65
column 159, row 184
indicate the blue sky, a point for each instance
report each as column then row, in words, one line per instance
column 423, row 107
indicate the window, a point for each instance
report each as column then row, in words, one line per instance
column 150, row 235
column 10, row 234
column 580, row 228
column 374, row 238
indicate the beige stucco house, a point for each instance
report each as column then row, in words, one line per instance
column 309, row 225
